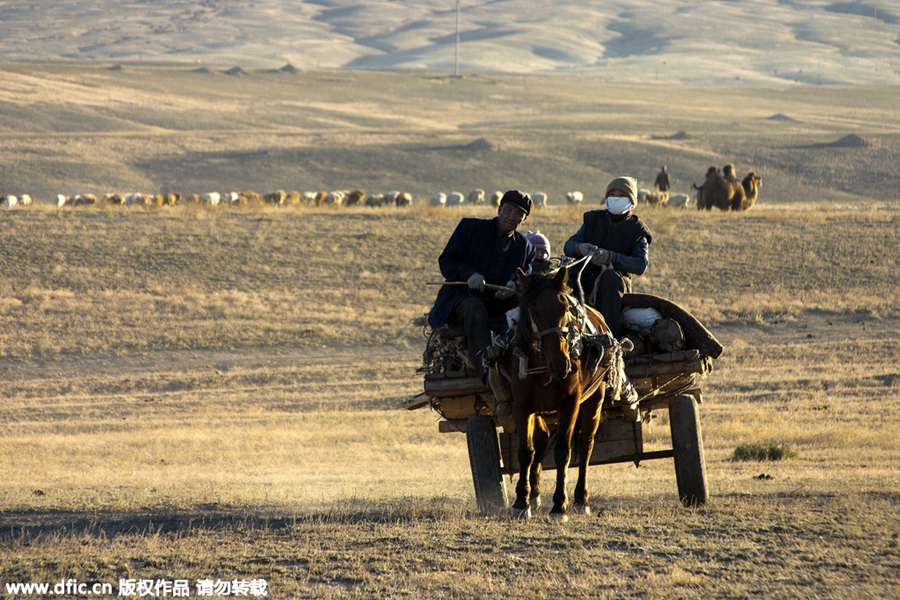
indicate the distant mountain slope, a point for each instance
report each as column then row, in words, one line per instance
column 756, row 41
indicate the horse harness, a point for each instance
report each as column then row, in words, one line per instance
column 579, row 332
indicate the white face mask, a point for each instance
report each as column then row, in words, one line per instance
column 618, row 205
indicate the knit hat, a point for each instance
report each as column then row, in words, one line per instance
column 627, row 185
column 519, row 199
column 538, row 240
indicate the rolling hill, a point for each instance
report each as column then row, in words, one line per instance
column 752, row 41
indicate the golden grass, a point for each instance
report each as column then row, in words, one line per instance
column 233, row 380
column 744, row 545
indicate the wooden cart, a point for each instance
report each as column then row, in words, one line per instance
column 665, row 381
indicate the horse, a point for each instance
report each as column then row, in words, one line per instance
column 559, row 363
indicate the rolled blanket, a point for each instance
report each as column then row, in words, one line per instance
column 695, row 334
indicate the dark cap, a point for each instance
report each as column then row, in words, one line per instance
column 519, row 199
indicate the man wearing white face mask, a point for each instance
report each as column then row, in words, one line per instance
column 617, row 243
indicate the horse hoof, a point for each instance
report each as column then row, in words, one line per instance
column 582, row 509
column 536, row 502
column 561, row 517
column 521, row 513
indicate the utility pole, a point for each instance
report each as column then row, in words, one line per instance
column 456, row 68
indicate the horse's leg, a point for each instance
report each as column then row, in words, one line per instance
column 540, row 437
column 525, row 426
column 567, row 414
column 590, row 420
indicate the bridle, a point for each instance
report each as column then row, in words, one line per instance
column 562, row 331
column 573, row 331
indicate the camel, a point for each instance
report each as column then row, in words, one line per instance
column 724, row 190
column 715, row 191
column 737, row 190
column 751, row 184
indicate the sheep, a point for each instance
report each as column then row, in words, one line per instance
column 25, row 200
column 113, row 199
column 292, row 199
column 211, row 198
column 495, row 198
column 249, row 197
column 574, row 197
column 539, row 199
column 648, row 197
column 403, row 199
column 336, row 198
column 84, row 200
column 308, row 197
column 679, row 200
column 476, row 197
column 134, row 199
column 61, row 200
column 355, row 197
column 439, row 199
column 374, row 200
column 172, row 199
column 454, row 199
column 276, row 197
column 9, row 201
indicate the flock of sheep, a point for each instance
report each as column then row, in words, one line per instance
column 245, row 198
column 280, row 198
column 724, row 191
column 11, row 201
column 540, row 198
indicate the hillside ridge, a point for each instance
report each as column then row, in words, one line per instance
column 672, row 41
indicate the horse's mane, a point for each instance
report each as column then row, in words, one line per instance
column 538, row 284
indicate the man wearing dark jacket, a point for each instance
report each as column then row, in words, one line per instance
column 663, row 183
column 479, row 252
column 616, row 243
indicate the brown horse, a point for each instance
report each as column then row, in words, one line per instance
column 558, row 364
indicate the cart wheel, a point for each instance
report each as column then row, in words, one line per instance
column 687, row 442
column 484, row 458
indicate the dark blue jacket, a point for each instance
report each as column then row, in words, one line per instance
column 475, row 248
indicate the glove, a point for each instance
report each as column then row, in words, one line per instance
column 584, row 248
column 476, row 282
column 508, row 293
column 602, row 257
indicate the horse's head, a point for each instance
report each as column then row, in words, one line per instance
column 545, row 319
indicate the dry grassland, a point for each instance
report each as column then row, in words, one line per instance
column 71, row 128
column 191, row 393
column 215, row 393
